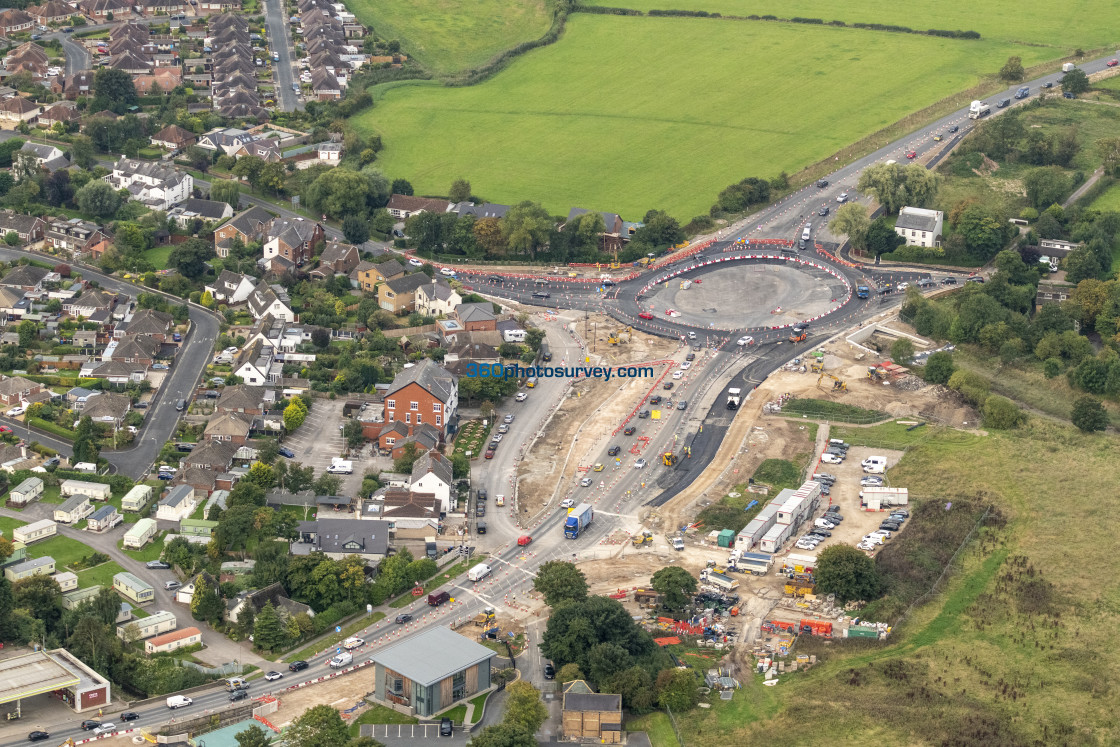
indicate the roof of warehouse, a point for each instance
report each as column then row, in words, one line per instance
column 430, row 656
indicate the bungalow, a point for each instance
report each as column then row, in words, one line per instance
column 17, row 109
column 12, row 21
column 89, row 303
column 229, row 427
column 133, row 589
column 104, row 518
column 140, row 533
column 108, row 408
column 114, row 372
column 99, row 11
column 173, row 137
column 64, row 112
column 325, row 85
column 267, row 150
column 54, row 11
column 136, row 499
column 27, row 278
column 211, row 211
column 43, row 566
column 47, row 156
column 174, row 640
column 34, row 531
column 178, row 504
column 404, row 207
column 256, row 600
column 248, row 400
column 160, row 621
column 25, row 492
column 211, row 455
column 28, row 227
column 337, row 538
column 147, row 322
column 73, row 510
column 95, row 490
column 197, row 527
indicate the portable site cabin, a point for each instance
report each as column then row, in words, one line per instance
column 95, row 490
column 25, row 492
column 157, row 623
column 726, row 538
column 881, row 499
column 140, row 533
column 174, row 640
column 34, row 531
column 137, row 498
column 132, row 588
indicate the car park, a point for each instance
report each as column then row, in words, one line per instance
column 629, row 431
column 272, row 676
column 831, row 458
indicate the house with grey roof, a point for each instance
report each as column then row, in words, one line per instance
column 264, row 300
column 108, row 408
column 423, row 393
column 73, row 509
column 485, row 210
column 399, row 295
column 48, row 157
column 104, row 519
column 211, row 211
column 432, row 474
column 920, row 227
column 232, row 288
column 152, row 184
column 29, row 228
column 337, row 538
column 292, row 239
column 437, row 298
column 178, row 504
column 476, row 317
column 248, row 225
column 25, row 277
column 430, row 671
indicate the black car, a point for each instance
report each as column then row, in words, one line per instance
column 954, row 128
column 890, row 526
column 549, row 671
column 667, row 385
column 826, row 489
column 482, row 495
column 298, row 666
column 949, row 281
column 402, row 619
column 643, row 414
column 445, row 727
column 630, row 431
column 284, row 451
column 690, row 357
column 612, row 451
column 238, row 695
column 822, row 183
column 976, row 279
column 655, row 399
column 38, row 736
column 129, row 716
column 480, row 509
column 541, row 294
column 823, row 210
column 1047, row 85
column 157, row 565
column 90, row 724
column 834, row 518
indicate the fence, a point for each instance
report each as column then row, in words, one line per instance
column 230, row 667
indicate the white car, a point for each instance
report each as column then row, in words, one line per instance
column 692, row 335
column 640, row 463
column 586, row 482
column 447, row 271
column 831, row 459
column 903, row 286
column 678, row 374
column 521, row 396
column 273, row 676
column 352, row 643
column 497, row 437
column 865, row 547
column 842, row 198
column 824, row 524
column 567, row 503
column 745, row 341
column 415, row 262
column 16, row 412
column 105, row 728
column 500, row 499
column 686, row 365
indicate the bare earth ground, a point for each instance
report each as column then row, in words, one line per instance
column 341, row 693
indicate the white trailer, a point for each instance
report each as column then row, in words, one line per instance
column 878, row 499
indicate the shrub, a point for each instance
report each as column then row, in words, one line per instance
column 1000, row 412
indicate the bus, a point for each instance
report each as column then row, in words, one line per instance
column 546, row 353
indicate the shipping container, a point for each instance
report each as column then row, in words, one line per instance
column 877, row 499
column 727, row 538
column 861, row 631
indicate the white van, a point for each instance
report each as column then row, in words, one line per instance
column 344, row 659
column 479, row 572
column 178, row 701
column 874, row 465
column 806, row 234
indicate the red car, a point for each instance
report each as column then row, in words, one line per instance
column 911, row 154
column 5, row 429
column 645, row 315
column 524, row 540
column 1113, row 62
column 489, row 454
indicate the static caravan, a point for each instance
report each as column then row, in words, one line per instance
column 136, row 499
column 140, row 533
column 27, row 491
column 157, row 623
column 76, row 508
column 66, row 581
column 34, row 531
column 72, row 599
column 174, row 640
column 133, row 589
column 95, row 490
column 43, row 566
column 104, row 519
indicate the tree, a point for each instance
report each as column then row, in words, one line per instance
column 206, row 604
column 1109, row 148
column 524, row 707
column 338, row 193
column 320, row 338
column 559, row 581
column 355, row 229
column 569, row 673
column 460, row 191
column 851, row 219
column 939, row 367
column 881, row 237
column 268, row 633
column 1089, row 414
column 676, row 688
column 848, row 573
column 526, row 227
column 902, row 350
column 261, row 474
column 1075, row 81
column 28, row 333
column 674, row 584
column 113, row 90
column 271, row 178
column 190, row 257
column 85, row 448
column 319, row 726
column 254, row 736
column 249, row 168
column 1001, row 413
column 1081, row 264
column 25, row 165
column 294, row 415
column 983, row 231
column 1012, row 71
column 895, row 185
column 503, row 735
column 488, row 234
column 227, row 191
column 98, row 199
column 402, row 187
column 1046, row 186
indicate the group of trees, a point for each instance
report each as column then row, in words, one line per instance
column 1008, row 138
column 1095, row 230
column 895, row 185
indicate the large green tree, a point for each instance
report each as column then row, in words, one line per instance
column 851, row 219
column 1089, row 414
column 227, row 191
column 112, row 90
column 896, row 186
column 503, row 735
column 254, row 736
column 98, row 199
column 1075, row 81
column 268, row 633
column 338, row 193
column 524, row 707
column 675, row 584
column 848, row 573
column 1012, row 71
column 559, row 581
column 190, row 257
column 526, row 228
column 1046, row 186
column 319, row 726
column 939, row 367
column 881, row 237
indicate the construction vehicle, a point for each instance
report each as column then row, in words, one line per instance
column 816, row 366
column 484, row 619
column 734, row 398
column 838, row 384
column 798, row 337
column 669, row 459
column 644, row 538
column 876, row 374
column 617, row 335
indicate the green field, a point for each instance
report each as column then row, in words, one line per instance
column 450, row 35
column 617, row 114
column 1032, row 22
column 1110, row 200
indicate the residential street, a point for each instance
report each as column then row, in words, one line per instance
column 280, row 41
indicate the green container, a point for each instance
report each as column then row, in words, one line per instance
column 727, row 538
column 859, row 631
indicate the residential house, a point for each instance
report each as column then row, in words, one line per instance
column 99, row 11
column 485, row 210
column 231, row 288
column 48, row 157
column 115, row 372
column 430, row 671
column 13, row 305
column 64, row 112
column 78, row 84
column 178, row 504
column 431, row 474
column 28, row 227
column 404, row 207
column 135, row 349
column 16, row 389
column 294, row 240
column 108, row 408
column 133, row 589
column 104, row 519
column 337, row 259
column 172, row 641
column 229, row 427
column 75, row 236
column 249, row 225
column 208, row 211
column 399, row 296
column 920, row 227
column 140, row 533
column 241, row 398
column 226, row 139
column 212, row 455
column 54, row 11
column 14, row 20
column 158, row 187
column 437, row 298
column 73, row 509
column 147, row 323
column 1052, row 293
column 90, row 302
column 174, row 138
column 256, row 600
column 27, row 491
column 370, row 274
column 254, row 364
column 264, row 300
column 324, row 85
column 337, row 538
column 43, row 566
column 197, row 527
column 424, row 393
column 588, row 715
column 268, row 150
column 28, row 278
column 1057, row 247
column 476, row 317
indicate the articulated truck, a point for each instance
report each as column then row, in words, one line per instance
column 578, row 520
column 978, row 109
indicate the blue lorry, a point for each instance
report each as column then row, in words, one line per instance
column 862, row 291
column 578, row 520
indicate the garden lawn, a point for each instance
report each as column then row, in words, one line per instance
column 1110, row 200
column 150, row 551
column 999, row 20
column 8, row 525
column 64, row 550
column 450, row 35
column 101, row 575
column 158, row 256
column 617, row 114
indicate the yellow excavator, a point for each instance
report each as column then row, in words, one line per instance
column 645, row 538
column 669, row 459
column 620, row 335
column 838, row 384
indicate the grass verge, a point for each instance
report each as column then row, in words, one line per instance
column 839, row 412
column 335, row 638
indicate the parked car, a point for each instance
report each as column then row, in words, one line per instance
column 820, row 532
column 157, row 565
column 172, row 585
column 871, row 481
column 503, row 428
column 415, row 262
column 15, row 412
column 284, row 451
column 549, row 671
column 831, row 458
column 825, row 477
column 489, row 454
column 445, row 727
column 824, row 524
column 508, row 418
